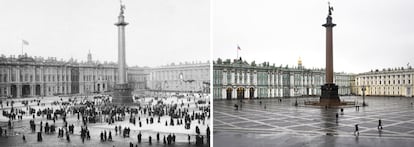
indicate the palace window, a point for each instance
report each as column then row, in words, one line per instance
column 228, row 77
column 240, row 77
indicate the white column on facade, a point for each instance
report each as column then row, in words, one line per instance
column 242, row 77
column 224, row 93
column 234, row 93
column 271, row 91
column 248, row 78
column 255, row 92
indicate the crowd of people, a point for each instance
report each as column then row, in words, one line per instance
column 100, row 110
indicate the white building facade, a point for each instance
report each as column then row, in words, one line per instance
column 388, row 82
column 25, row 76
column 184, row 77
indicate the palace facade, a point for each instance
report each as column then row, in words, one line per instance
column 240, row 79
column 183, row 77
column 26, row 76
column 387, row 82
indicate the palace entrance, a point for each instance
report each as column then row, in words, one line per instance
column 240, row 93
column 228, row 93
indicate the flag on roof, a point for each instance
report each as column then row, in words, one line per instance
column 25, row 42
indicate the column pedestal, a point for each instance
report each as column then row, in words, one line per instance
column 329, row 95
column 122, row 95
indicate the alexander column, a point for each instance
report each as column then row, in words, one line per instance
column 122, row 92
column 329, row 94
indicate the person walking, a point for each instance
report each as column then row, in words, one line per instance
column 337, row 115
column 356, row 132
column 110, row 136
column 379, row 124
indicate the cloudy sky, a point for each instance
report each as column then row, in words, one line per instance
column 370, row 34
column 159, row 31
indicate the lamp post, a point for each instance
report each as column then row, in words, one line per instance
column 363, row 95
column 296, row 96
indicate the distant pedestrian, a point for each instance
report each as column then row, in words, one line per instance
column 356, row 132
column 67, row 136
column 379, row 124
column 139, row 137
column 165, row 141
column 336, row 117
column 39, row 136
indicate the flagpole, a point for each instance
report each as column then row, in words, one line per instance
column 238, row 48
column 237, row 53
column 22, row 47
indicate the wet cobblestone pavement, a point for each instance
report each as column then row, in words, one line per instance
column 282, row 124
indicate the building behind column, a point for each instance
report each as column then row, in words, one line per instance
column 239, row 79
column 187, row 77
column 27, row 76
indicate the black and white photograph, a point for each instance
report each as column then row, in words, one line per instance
column 112, row 73
column 201, row 73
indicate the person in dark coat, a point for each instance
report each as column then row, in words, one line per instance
column 189, row 138
column 165, row 141
column 379, row 124
column 139, row 137
column 356, row 132
column 39, row 136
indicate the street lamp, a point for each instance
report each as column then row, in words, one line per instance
column 363, row 95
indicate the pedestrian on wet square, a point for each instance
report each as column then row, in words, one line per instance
column 336, row 117
column 356, row 132
column 379, row 124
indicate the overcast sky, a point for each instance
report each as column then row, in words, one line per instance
column 159, row 31
column 370, row 34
